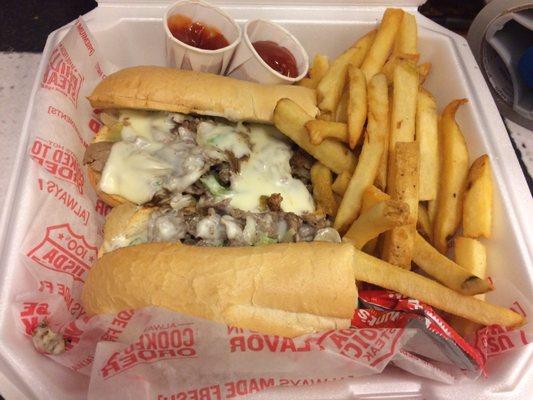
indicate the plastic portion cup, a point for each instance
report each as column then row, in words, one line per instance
column 183, row 56
column 248, row 65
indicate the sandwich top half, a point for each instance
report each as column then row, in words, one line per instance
column 177, row 151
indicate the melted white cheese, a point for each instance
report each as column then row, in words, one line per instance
column 223, row 137
column 268, row 171
column 149, row 154
column 132, row 173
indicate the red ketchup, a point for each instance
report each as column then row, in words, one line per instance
column 195, row 34
column 278, row 58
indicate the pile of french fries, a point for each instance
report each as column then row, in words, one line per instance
column 395, row 175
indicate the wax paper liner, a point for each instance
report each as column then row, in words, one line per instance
column 160, row 354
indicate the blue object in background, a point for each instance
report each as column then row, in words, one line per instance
column 525, row 67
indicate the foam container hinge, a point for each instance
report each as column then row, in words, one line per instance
column 131, row 33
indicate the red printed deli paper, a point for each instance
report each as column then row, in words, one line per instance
column 156, row 353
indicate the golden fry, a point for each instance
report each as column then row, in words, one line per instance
column 321, row 179
column 403, row 112
column 423, row 71
column 318, row 69
column 290, row 119
column 477, row 204
column 332, row 84
column 390, row 65
column 383, row 43
column 423, row 225
column 432, row 211
column 320, row 130
column 453, row 175
column 398, row 242
column 381, row 178
column 371, row 197
column 381, row 217
column 357, row 105
column 325, row 116
column 341, row 183
column 367, row 167
column 341, row 113
column 446, row 271
column 407, row 39
column 471, row 255
column 377, row 272
column 427, row 136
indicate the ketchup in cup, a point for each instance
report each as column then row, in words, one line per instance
column 278, row 58
column 196, row 34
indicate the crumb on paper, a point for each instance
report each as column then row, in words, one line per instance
column 47, row 341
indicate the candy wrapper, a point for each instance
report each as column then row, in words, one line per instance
column 159, row 354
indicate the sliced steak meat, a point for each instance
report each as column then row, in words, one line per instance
column 294, row 222
column 223, row 170
column 191, row 124
column 234, row 162
column 267, row 224
column 317, row 221
column 306, row 233
column 238, row 214
column 301, row 164
column 273, row 202
column 162, row 196
column 197, row 189
column 96, row 155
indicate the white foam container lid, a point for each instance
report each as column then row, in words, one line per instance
column 130, row 33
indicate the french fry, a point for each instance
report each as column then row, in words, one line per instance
column 432, row 210
column 377, row 272
column 317, row 71
column 332, row 84
column 453, row 175
column 381, row 178
column 405, row 46
column 320, row 130
column 383, row 43
column 341, row 183
column 407, row 40
column 471, row 255
column 321, row 179
column 381, row 217
column 423, row 71
column 403, row 112
column 290, row 119
column 372, row 196
column 390, row 65
column 325, row 116
column 446, row 271
column 422, row 224
column 341, row 112
column 477, row 204
column 367, row 167
column 427, row 136
column 357, row 105
column 403, row 186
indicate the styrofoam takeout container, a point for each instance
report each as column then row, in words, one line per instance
column 131, row 33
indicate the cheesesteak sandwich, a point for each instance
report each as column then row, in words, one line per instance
column 212, row 178
column 190, row 161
